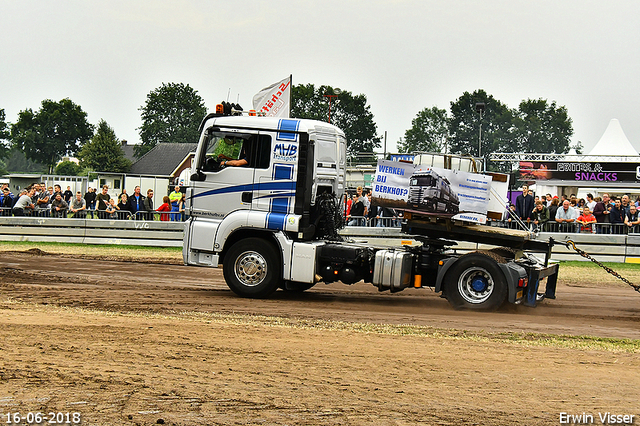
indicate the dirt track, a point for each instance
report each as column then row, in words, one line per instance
column 157, row 341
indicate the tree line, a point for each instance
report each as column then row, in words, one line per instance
column 173, row 112
column 477, row 124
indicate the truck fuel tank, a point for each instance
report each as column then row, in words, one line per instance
column 392, row 270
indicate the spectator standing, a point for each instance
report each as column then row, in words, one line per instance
column 625, row 203
column 112, row 209
column 591, row 203
column 59, row 206
column 374, row 212
column 182, row 205
column 365, row 201
column 165, row 207
column 548, row 199
column 78, row 206
column 90, row 199
column 24, row 205
column 136, row 202
column 586, row 220
column 123, row 207
column 601, row 212
column 6, row 202
column 540, row 215
column 43, row 203
column 631, row 218
column 175, row 197
column 616, row 217
column 102, row 200
column 553, row 208
column 57, row 189
column 67, row 195
column 524, row 204
column 565, row 214
column 357, row 212
column 148, row 204
column 601, row 209
column 347, row 205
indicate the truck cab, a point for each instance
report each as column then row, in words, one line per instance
column 284, row 166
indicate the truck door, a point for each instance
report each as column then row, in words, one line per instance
column 275, row 174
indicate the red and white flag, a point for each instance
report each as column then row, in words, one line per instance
column 275, row 100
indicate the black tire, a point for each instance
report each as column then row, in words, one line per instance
column 252, row 267
column 475, row 281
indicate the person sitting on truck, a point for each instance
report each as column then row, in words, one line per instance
column 239, row 162
column 232, row 151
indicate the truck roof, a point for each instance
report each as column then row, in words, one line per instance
column 271, row 123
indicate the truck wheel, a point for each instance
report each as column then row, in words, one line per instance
column 475, row 281
column 251, row 268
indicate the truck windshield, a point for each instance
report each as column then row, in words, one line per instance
column 423, row 181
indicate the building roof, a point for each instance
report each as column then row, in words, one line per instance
column 613, row 142
column 162, row 159
column 128, row 151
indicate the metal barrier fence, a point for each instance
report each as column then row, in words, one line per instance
column 99, row 214
column 379, row 222
column 140, row 232
column 571, row 228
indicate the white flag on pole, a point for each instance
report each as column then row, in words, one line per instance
column 275, row 100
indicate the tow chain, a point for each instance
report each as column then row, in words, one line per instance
column 586, row 255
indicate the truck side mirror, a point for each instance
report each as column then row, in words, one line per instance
column 198, row 176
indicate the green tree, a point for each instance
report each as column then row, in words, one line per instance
column 348, row 112
column 542, row 127
column 57, row 129
column 103, row 153
column 68, row 168
column 17, row 162
column 497, row 125
column 429, row 132
column 5, row 134
column 172, row 113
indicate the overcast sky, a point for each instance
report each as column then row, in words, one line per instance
column 404, row 55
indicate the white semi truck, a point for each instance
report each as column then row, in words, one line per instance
column 263, row 204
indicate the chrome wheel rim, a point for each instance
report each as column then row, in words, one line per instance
column 250, row 268
column 475, row 285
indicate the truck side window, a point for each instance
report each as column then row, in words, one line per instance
column 256, row 149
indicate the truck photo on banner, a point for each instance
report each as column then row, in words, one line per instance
column 432, row 191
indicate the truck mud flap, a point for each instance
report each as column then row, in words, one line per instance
column 535, row 276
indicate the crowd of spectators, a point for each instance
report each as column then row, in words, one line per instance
column 358, row 211
column 602, row 215
column 41, row 201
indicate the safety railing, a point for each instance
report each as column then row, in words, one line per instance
column 375, row 222
column 97, row 214
column 571, row 227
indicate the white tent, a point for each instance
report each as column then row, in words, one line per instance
column 614, row 142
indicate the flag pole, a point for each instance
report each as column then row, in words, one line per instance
column 290, row 91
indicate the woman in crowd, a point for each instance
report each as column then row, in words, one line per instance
column 165, row 207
